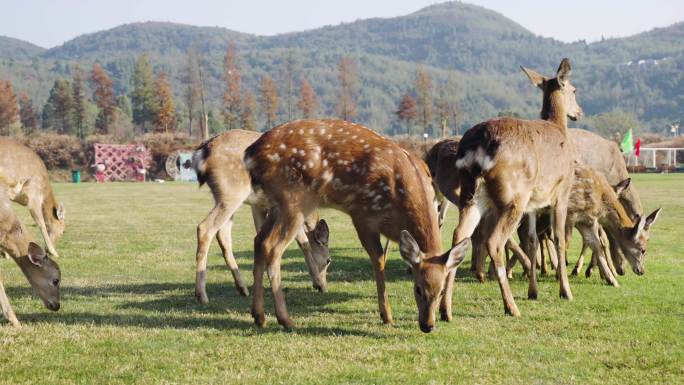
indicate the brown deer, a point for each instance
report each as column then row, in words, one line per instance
column 385, row 190
column 39, row 269
column 26, row 178
column 508, row 167
column 218, row 163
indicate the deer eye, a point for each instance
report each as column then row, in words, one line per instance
column 55, row 282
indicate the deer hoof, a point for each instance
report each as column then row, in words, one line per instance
column 244, row 292
column 202, row 298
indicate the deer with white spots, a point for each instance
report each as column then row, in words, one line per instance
column 509, row 167
column 385, row 190
column 218, row 163
column 39, row 269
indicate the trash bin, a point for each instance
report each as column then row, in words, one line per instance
column 76, row 176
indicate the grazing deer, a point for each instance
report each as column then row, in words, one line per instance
column 39, row 269
column 26, row 178
column 218, row 163
column 594, row 203
column 509, row 167
column 605, row 157
column 385, row 190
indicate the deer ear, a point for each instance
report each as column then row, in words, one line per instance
column 36, row 254
column 651, row 218
column 408, row 248
column 456, row 255
column 60, row 212
column 563, row 74
column 622, row 186
column 535, row 77
column 321, row 232
column 640, row 223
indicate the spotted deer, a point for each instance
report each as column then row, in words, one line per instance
column 385, row 190
column 218, row 163
column 508, row 168
column 594, row 204
column 605, row 157
column 39, row 269
column 24, row 175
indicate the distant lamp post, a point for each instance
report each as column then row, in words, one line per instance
column 674, row 128
column 425, row 136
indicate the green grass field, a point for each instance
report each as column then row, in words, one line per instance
column 129, row 314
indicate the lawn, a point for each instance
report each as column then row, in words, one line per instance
column 129, row 314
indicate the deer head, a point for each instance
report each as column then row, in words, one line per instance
column 43, row 274
column 635, row 240
column 559, row 94
column 429, row 275
column 318, row 235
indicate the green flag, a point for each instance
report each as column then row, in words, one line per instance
column 626, row 146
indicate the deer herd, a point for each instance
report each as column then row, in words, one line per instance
column 534, row 177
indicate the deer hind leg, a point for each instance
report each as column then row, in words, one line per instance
column 7, row 310
column 275, row 235
column 531, row 244
column 225, row 241
column 36, row 210
column 616, row 255
column 602, row 258
column 206, row 230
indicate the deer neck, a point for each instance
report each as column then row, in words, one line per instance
column 553, row 109
column 616, row 213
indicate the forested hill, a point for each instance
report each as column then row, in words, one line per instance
column 475, row 50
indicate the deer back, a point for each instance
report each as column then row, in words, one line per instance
column 347, row 166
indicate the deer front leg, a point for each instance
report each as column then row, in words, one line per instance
column 34, row 206
column 7, row 310
column 531, row 243
column 580, row 259
column 559, row 217
column 370, row 240
column 223, row 236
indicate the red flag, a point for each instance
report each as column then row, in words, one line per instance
column 637, row 147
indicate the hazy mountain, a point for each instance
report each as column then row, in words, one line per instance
column 478, row 49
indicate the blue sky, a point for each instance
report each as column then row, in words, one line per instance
column 51, row 22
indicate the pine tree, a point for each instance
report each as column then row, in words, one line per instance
column 289, row 76
column 27, row 114
column 143, row 97
column 78, row 96
column 166, row 111
column 9, row 109
column 308, row 103
column 346, row 105
column 60, row 107
column 248, row 111
column 269, row 101
column 192, row 87
column 423, row 84
column 103, row 94
column 232, row 95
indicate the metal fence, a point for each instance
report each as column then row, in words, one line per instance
column 654, row 159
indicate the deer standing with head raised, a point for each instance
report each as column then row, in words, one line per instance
column 507, row 168
column 385, row 190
